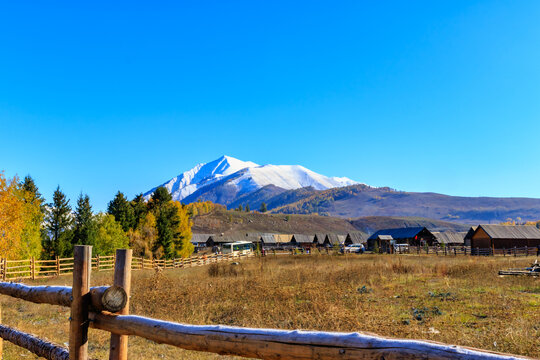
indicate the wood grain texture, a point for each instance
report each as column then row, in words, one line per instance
column 284, row 344
column 34, row 344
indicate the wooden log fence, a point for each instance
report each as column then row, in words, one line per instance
column 37, row 269
column 88, row 305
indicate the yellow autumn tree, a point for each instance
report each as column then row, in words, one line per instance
column 142, row 239
column 182, row 239
column 20, row 221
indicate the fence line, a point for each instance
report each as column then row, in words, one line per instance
column 246, row 342
column 38, row 269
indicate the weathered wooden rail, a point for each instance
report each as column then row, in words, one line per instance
column 94, row 307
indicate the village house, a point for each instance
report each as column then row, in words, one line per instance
column 332, row 240
column 505, row 236
column 318, row 239
column 414, row 236
column 450, row 238
column 355, row 238
column 302, row 240
column 381, row 243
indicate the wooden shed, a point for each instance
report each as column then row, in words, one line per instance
column 415, row 236
column 505, row 236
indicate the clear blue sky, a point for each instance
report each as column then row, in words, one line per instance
column 439, row 96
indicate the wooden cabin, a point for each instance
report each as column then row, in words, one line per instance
column 381, row 243
column 355, row 238
column 469, row 235
column 505, row 237
column 268, row 241
column 302, row 240
column 450, row 238
column 414, row 236
column 333, row 240
column 318, row 239
column 199, row 240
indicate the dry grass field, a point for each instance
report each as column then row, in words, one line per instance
column 453, row 300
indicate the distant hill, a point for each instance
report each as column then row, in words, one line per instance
column 362, row 200
column 371, row 224
column 235, row 222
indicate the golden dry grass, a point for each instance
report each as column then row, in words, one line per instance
column 453, row 300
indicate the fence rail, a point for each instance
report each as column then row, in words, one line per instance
column 90, row 307
column 37, row 269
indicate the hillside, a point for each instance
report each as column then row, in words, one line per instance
column 371, row 224
column 361, row 200
column 230, row 222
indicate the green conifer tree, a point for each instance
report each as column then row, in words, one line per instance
column 85, row 230
column 247, row 208
column 122, row 211
column 263, row 208
column 58, row 224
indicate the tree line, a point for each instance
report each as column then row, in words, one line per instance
column 29, row 226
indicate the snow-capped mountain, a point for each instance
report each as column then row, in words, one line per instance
column 237, row 178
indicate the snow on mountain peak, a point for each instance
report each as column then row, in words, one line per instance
column 247, row 176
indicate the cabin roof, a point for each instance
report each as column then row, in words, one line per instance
column 357, row 237
column 302, row 238
column 450, row 237
column 268, row 238
column 399, row 233
column 200, row 238
column 511, row 231
column 335, row 239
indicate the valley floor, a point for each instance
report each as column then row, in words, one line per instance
column 453, row 300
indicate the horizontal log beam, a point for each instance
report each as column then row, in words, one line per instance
column 109, row 298
column 281, row 344
column 35, row 345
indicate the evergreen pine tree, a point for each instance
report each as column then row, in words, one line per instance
column 85, row 231
column 122, row 211
column 160, row 196
column 263, row 208
column 165, row 220
column 58, row 225
column 140, row 209
column 247, row 208
column 240, row 208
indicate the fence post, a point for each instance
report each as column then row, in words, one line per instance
column 4, row 273
column 98, row 263
column 122, row 277
column 78, row 327
column 33, row 268
column 57, row 266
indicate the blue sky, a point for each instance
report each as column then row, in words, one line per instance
column 439, row 96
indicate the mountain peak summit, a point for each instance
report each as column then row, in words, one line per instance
column 242, row 177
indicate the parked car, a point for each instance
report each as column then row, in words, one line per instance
column 355, row 248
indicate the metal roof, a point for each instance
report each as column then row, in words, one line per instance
column 319, row 238
column 283, row 238
column 399, row 233
column 357, row 237
column 268, row 238
column 511, row 231
column 302, row 238
column 336, row 239
column 228, row 238
column 450, row 237
column 200, row 238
